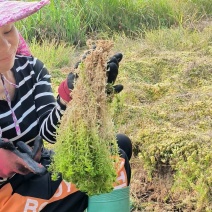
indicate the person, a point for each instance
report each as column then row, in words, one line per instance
column 29, row 114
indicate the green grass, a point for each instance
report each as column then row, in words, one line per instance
column 72, row 21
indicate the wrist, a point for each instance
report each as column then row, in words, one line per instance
column 64, row 91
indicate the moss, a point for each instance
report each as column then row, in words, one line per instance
column 168, row 103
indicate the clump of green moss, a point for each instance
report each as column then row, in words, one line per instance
column 86, row 140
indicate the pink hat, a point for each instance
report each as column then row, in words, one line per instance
column 12, row 11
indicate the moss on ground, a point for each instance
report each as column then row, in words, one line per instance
column 167, row 111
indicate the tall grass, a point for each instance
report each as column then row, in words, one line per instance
column 57, row 21
column 56, row 57
column 72, row 21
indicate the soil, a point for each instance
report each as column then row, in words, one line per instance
column 151, row 194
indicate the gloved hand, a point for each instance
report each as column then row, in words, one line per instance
column 85, row 55
column 67, row 86
column 35, row 152
column 14, row 161
column 112, row 73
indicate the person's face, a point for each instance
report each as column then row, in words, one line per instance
column 9, row 40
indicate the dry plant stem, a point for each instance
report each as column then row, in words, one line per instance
column 86, row 134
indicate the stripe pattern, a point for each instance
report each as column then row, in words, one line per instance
column 34, row 104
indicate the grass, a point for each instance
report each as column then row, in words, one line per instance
column 72, row 21
column 168, row 102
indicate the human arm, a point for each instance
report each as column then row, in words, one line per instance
column 50, row 112
column 48, row 109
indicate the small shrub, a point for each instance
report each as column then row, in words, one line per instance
column 86, row 147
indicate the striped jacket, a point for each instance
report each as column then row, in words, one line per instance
column 34, row 104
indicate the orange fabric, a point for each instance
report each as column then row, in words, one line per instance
column 17, row 203
column 10, row 202
column 5, row 194
column 121, row 180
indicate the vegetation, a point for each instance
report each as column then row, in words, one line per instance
column 166, row 104
column 74, row 21
column 86, row 136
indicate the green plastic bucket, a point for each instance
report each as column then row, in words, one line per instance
column 116, row 201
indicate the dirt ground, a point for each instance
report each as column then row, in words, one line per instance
column 151, row 195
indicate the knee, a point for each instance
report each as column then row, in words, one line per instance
column 125, row 144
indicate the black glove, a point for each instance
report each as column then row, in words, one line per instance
column 85, row 55
column 15, row 161
column 112, row 73
column 67, row 85
column 38, row 153
column 35, row 152
column 72, row 77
